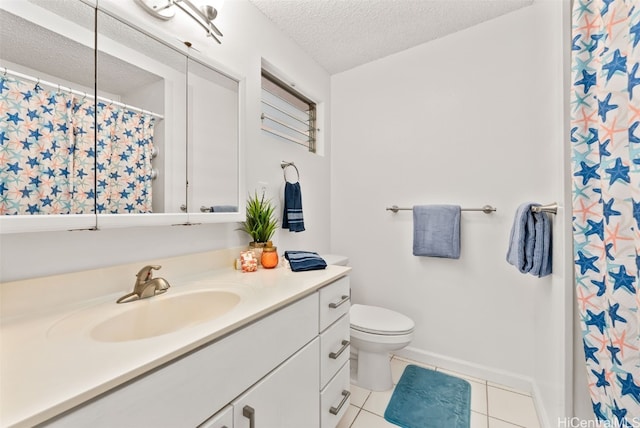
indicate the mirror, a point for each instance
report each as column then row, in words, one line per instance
column 151, row 134
column 47, row 74
column 213, row 148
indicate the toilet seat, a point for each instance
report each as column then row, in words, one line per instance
column 380, row 321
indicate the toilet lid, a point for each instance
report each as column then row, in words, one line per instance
column 376, row 320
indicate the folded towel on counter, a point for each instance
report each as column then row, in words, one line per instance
column 224, row 209
column 304, row 260
column 530, row 241
column 292, row 217
column 436, row 231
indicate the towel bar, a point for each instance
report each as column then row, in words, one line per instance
column 487, row 209
column 549, row 208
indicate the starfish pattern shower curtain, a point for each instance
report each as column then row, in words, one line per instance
column 605, row 139
column 52, row 163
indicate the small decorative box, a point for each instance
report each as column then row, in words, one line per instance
column 248, row 261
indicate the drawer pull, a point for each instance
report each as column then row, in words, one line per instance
column 345, row 397
column 250, row 412
column 334, row 355
column 343, row 299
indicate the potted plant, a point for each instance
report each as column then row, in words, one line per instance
column 261, row 223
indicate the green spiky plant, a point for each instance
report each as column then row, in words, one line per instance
column 261, row 223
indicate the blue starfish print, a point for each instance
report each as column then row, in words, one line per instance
column 46, row 154
column 617, row 63
column 35, row 134
column 114, row 175
column 15, row 118
column 587, row 172
column 26, row 192
column 595, row 228
column 636, row 211
column 35, row 181
column 50, row 172
column 49, row 126
column 597, row 411
column 3, row 138
column 596, row 320
column 129, row 208
column 602, row 286
column 620, row 415
column 46, row 201
column 64, row 172
column 33, row 162
column 124, row 194
column 618, row 172
column 15, row 168
column 3, row 188
column 608, row 210
column 46, row 110
column 91, row 194
column 81, row 173
column 3, row 86
column 590, row 352
column 621, row 279
column 613, row 314
column 63, row 127
column 602, row 379
column 33, row 114
column 614, row 354
column 635, row 30
column 55, row 190
column 588, row 80
column 124, row 157
column 90, row 152
column 633, row 81
column 604, row 107
column 32, row 209
column 575, row 47
column 586, row 263
column 101, row 208
column 629, row 387
column 632, row 130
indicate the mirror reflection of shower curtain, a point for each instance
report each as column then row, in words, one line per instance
column 36, row 149
column 124, row 146
column 48, row 156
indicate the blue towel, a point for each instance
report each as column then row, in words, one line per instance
column 292, row 216
column 530, row 241
column 436, row 231
column 304, row 260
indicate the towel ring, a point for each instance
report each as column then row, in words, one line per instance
column 284, row 165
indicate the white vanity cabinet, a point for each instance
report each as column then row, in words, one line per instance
column 275, row 372
column 334, row 352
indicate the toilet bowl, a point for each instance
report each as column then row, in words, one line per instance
column 375, row 332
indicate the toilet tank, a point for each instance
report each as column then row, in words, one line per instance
column 335, row 259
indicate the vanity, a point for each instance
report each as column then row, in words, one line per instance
column 220, row 348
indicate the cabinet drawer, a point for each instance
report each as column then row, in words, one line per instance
column 334, row 349
column 335, row 399
column 222, row 419
column 334, row 302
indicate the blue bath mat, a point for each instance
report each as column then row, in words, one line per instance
column 428, row 399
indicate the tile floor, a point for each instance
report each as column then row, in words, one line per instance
column 492, row 405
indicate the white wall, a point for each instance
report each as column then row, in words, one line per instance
column 474, row 118
column 248, row 37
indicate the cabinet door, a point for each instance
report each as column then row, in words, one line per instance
column 286, row 398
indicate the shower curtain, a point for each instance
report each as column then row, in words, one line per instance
column 605, row 117
column 51, row 162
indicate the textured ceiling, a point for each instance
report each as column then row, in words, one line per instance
column 342, row 34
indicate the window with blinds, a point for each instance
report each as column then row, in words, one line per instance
column 287, row 114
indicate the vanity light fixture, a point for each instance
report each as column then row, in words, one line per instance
column 164, row 9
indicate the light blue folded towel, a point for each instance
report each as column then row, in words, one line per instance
column 530, row 241
column 436, row 231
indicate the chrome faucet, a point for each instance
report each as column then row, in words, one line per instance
column 146, row 285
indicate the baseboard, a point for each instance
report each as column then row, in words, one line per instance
column 512, row 380
column 543, row 417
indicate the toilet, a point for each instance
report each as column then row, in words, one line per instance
column 375, row 332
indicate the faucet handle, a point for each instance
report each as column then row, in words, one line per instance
column 145, row 274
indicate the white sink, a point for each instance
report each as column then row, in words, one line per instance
column 147, row 318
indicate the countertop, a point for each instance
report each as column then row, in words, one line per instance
column 49, row 363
